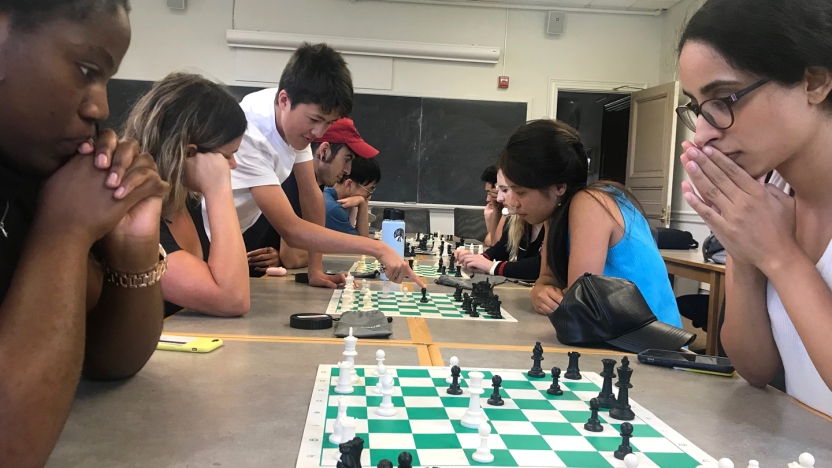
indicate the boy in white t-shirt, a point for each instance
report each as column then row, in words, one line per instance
column 315, row 90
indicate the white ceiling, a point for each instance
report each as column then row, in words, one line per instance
column 608, row 4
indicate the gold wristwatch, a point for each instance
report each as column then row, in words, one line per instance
column 139, row 280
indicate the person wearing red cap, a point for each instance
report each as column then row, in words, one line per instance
column 315, row 91
column 333, row 154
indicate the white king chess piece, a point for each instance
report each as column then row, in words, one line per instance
column 349, row 354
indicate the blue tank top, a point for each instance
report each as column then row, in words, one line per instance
column 636, row 258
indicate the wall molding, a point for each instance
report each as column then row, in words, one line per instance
column 686, row 216
column 237, row 38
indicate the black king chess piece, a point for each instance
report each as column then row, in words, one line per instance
column 607, row 398
column 537, row 356
column 555, row 389
column 624, row 449
column 621, row 410
column 594, row 424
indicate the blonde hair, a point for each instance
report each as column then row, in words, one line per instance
column 516, row 230
column 183, row 109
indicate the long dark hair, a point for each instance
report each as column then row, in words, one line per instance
column 29, row 14
column 544, row 153
column 777, row 39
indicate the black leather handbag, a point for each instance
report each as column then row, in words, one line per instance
column 603, row 309
column 675, row 239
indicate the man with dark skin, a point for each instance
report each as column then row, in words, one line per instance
column 76, row 209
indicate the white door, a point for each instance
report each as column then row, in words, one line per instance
column 652, row 150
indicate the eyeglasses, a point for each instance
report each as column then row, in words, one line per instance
column 717, row 112
column 369, row 192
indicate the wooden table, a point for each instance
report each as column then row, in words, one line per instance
column 690, row 264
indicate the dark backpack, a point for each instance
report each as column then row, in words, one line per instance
column 674, row 239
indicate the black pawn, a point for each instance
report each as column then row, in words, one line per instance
column 458, row 294
column 537, row 356
column 424, row 298
column 622, row 411
column 441, row 263
column 624, row 449
column 573, row 372
column 443, row 270
column 455, row 389
column 607, row 398
column 496, row 399
column 405, row 460
column 594, row 424
column 555, row 389
column 385, row 463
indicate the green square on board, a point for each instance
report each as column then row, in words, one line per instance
column 413, row 373
column 556, row 429
column 525, row 442
column 389, row 426
column 427, row 413
column 437, row 441
column 534, row 404
column 673, row 460
column 505, row 414
column 583, row 459
column 580, row 386
column 419, row 391
column 501, row 458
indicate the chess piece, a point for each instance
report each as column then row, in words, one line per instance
column 594, row 424
column 385, row 463
column 386, row 408
column 458, row 294
column 441, row 263
column 458, row 273
column 454, row 361
column 607, row 398
column 473, row 416
column 405, row 460
column 496, row 399
column 379, row 361
column 382, row 372
column 344, row 384
column 466, row 303
column 537, row 356
column 385, row 290
column 483, row 453
column 806, row 460
column 424, row 299
column 724, row 463
column 572, row 371
column 622, row 411
column 624, row 448
column 350, row 453
column 631, row 460
column 455, row 389
column 335, row 437
column 753, row 464
column 347, row 433
column 350, row 353
column 555, row 389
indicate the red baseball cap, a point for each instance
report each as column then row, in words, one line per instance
column 343, row 131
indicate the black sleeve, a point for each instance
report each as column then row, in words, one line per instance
column 523, row 269
column 166, row 239
column 499, row 251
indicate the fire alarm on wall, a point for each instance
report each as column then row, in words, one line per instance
column 502, row 82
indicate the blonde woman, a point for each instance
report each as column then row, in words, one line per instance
column 193, row 127
column 517, row 252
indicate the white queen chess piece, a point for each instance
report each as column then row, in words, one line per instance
column 473, row 416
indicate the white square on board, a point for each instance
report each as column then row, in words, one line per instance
column 442, row 457
column 514, row 427
column 654, row 445
column 643, row 461
column 544, row 416
column 569, row 443
column 351, row 401
column 392, row 441
column 516, row 394
column 431, row 426
column 472, row 441
column 608, row 431
column 569, row 405
column 415, row 382
column 422, row 402
column 536, row 458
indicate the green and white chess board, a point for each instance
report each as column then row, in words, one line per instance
column 532, row 429
column 439, row 305
column 425, row 270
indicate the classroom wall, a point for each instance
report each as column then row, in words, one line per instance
column 682, row 216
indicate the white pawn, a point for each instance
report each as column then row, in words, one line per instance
column 382, row 373
column 335, row 437
column 631, row 460
column 365, row 286
column 361, row 267
column 350, row 282
column 385, row 290
column 473, row 416
column 363, row 259
column 454, row 362
column 376, row 265
column 379, row 360
column 753, row 464
column 344, row 385
column 483, row 453
column 386, row 407
column 347, row 433
column 806, row 460
column 725, row 463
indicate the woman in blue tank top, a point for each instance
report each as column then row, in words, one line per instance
column 595, row 228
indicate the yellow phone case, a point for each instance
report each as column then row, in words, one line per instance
column 188, row 344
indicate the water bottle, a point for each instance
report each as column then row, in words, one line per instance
column 392, row 231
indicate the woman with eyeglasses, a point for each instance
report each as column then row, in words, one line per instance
column 758, row 75
column 347, row 202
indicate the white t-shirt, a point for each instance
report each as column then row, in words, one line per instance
column 264, row 157
column 802, row 378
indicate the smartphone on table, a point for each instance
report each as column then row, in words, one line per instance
column 687, row 361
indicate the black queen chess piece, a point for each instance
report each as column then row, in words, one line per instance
column 537, row 356
column 607, row 398
column 621, row 410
